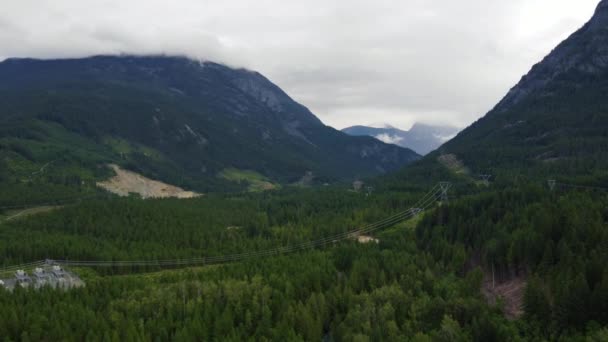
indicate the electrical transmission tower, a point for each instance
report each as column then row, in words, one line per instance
column 485, row 179
column 551, row 183
column 445, row 186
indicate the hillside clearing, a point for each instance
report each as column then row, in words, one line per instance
column 256, row 182
column 16, row 214
column 510, row 291
column 453, row 164
column 127, row 182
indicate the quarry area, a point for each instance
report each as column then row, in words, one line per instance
column 126, row 182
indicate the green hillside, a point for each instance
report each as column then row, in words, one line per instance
column 173, row 119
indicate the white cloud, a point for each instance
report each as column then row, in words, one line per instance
column 389, row 139
column 350, row 61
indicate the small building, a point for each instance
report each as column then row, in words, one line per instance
column 8, row 284
column 22, row 278
column 358, row 185
column 42, row 278
column 60, row 277
column 49, row 275
column 367, row 239
column 57, row 271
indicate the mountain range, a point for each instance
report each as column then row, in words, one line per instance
column 173, row 119
column 421, row 138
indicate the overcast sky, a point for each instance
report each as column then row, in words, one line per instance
column 351, row 62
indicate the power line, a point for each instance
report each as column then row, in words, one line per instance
column 485, row 179
column 12, row 269
column 438, row 191
column 445, row 186
column 575, row 186
column 55, row 202
column 242, row 256
column 551, row 183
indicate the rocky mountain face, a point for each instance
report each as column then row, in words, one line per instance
column 420, row 138
column 555, row 120
column 174, row 119
column 584, row 53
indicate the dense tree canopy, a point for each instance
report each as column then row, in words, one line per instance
column 421, row 282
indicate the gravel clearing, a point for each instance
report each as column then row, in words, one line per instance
column 126, row 182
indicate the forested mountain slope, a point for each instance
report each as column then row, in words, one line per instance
column 555, row 120
column 552, row 125
column 173, row 119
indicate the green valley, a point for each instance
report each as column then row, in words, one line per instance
column 234, row 214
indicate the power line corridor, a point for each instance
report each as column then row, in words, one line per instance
column 438, row 192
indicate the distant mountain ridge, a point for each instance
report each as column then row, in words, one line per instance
column 421, row 138
column 173, row 119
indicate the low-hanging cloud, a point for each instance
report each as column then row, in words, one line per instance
column 389, row 139
column 350, row 61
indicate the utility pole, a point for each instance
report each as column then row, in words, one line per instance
column 369, row 189
column 485, row 179
column 445, row 186
column 493, row 279
column 551, row 183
